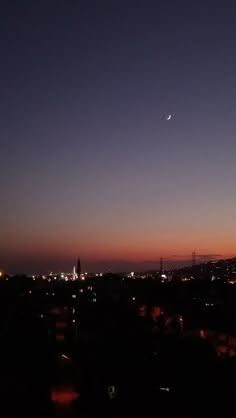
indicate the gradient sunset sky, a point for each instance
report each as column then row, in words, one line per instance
column 89, row 164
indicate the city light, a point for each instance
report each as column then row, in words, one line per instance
column 63, row 356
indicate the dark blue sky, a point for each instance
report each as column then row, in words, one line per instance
column 89, row 163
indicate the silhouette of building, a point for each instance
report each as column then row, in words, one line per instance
column 78, row 268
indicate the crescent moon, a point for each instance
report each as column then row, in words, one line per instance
column 169, row 117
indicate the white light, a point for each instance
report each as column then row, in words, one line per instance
column 133, row 298
column 30, row 292
column 164, row 276
column 73, row 321
column 53, row 294
column 82, row 278
column 41, row 316
column 65, row 357
column 165, row 389
column 73, row 296
column 101, row 274
column 55, row 278
column 96, row 274
column 132, row 273
column 94, row 300
column 111, row 391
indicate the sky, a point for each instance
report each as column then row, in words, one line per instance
column 89, row 164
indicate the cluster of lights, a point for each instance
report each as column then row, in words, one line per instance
column 63, row 276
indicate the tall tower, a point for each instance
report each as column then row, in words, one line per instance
column 193, row 258
column 74, row 275
column 78, row 268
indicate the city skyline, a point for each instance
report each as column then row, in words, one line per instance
column 90, row 165
column 113, row 266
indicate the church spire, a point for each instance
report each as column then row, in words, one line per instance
column 78, row 268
